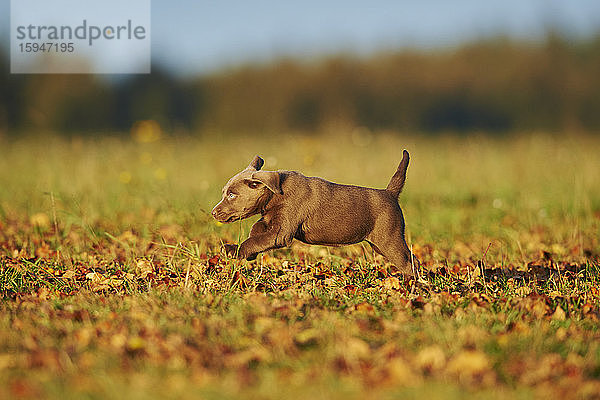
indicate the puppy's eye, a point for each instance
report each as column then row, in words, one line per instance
column 231, row 196
column 253, row 184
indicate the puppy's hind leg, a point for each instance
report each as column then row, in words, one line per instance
column 397, row 253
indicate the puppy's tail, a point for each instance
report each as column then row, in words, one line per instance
column 397, row 182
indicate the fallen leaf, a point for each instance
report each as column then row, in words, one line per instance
column 430, row 359
column 69, row 274
column 40, row 220
column 143, row 268
column 401, row 373
column 307, row 337
column 559, row 314
column 469, row 365
column 391, row 282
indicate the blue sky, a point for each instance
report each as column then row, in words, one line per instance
column 191, row 37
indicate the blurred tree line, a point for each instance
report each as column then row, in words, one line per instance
column 493, row 86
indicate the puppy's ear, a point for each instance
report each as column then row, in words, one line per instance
column 256, row 163
column 270, row 179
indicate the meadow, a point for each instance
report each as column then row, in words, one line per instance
column 113, row 284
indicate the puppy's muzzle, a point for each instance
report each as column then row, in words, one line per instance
column 221, row 216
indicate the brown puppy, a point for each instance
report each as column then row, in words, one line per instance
column 315, row 211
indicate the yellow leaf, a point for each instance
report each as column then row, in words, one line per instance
column 94, row 276
column 40, row 220
column 143, row 268
column 557, row 248
column 6, row 361
column 391, row 282
column 136, row 343
column 256, row 353
column 431, row 358
column 69, row 274
column 307, row 336
column 356, row 348
column 401, row 373
column 468, row 363
column 559, row 314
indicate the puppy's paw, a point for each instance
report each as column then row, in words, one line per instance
column 231, row 250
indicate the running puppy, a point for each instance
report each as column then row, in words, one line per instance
column 315, row 211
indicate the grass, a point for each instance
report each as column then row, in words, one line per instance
column 113, row 284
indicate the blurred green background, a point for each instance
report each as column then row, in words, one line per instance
column 494, row 86
column 235, row 68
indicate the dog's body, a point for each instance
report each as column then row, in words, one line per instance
column 315, row 211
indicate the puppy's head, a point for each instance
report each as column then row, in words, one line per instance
column 247, row 193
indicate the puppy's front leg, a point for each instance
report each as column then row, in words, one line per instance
column 258, row 228
column 257, row 243
column 266, row 236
